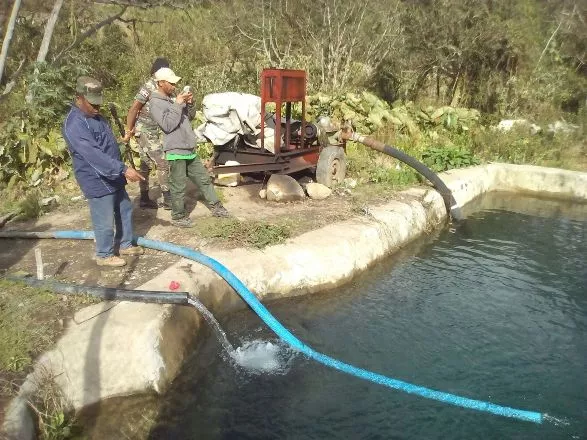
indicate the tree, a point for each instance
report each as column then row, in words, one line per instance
column 341, row 41
column 8, row 36
column 49, row 27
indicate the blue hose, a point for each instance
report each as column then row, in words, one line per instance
column 289, row 338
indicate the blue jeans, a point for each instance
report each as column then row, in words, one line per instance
column 108, row 212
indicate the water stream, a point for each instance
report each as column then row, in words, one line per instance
column 256, row 356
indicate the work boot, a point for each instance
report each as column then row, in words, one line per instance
column 146, row 202
column 111, row 261
column 218, row 210
column 132, row 251
column 183, row 222
column 166, row 203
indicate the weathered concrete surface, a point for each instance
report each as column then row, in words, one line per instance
column 110, row 349
column 332, row 255
column 129, row 348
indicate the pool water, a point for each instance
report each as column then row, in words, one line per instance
column 493, row 309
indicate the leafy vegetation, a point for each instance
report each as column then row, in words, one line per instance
column 425, row 76
column 441, row 159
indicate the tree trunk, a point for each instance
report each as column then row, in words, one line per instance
column 49, row 27
column 8, row 36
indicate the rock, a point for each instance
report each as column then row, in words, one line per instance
column 49, row 201
column 263, row 193
column 350, row 182
column 562, row 127
column 317, row 191
column 78, row 198
column 229, row 179
column 282, row 188
column 506, row 125
column 305, row 180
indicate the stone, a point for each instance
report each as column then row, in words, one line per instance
column 263, row 193
column 48, row 201
column 305, row 180
column 349, row 182
column 317, row 191
column 229, row 179
column 506, row 125
column 562, row 127
column 282, row 188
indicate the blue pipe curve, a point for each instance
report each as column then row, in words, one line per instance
column 289, row 338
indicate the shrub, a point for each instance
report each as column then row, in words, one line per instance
column 440, row 159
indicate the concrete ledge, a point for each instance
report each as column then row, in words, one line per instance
column 127, row 348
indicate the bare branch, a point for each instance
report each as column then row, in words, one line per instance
column 12, row 81
column 89, row 32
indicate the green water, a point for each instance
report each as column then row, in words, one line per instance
column 493, row 309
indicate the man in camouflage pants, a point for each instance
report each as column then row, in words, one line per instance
column 140, row 124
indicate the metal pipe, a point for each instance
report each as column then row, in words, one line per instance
column 108, row 293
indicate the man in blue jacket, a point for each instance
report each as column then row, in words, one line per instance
column 100, row 173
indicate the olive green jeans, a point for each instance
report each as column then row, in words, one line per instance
column 179, row 171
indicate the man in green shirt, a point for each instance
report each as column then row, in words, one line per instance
column 179, row 142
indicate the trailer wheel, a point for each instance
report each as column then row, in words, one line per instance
column 331, row 167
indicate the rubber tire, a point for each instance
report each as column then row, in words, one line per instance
column 331, row 167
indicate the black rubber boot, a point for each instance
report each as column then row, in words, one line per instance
column 146, row 202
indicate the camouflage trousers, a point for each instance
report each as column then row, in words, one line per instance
column 152, row 156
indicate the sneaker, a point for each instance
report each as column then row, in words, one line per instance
column 218, row 210
column 183, row 222
column 132, row 251
column 112, row 261
column 148, row 204
column 165, row 204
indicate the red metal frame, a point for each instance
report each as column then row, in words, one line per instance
column 279, row 86
column 283, row 86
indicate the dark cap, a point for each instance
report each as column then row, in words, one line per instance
column 90, row 88
column 159, row 63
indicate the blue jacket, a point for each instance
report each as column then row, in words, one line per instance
column 94, row 150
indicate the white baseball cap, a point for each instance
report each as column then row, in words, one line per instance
column 166, row 74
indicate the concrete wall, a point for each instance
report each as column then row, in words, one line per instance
column 127, row 348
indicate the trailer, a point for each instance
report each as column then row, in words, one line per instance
column 295, row 145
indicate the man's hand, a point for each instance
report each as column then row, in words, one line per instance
column 184, row 97
column 133, row 175
column 128, row 135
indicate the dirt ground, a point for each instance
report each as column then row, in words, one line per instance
column 72, row 260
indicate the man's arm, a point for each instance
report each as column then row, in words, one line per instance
column 131, row 119
column 166, row 114
column 82, row 142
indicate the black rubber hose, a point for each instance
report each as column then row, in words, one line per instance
column 108, row 293
column 452, row 208
column 449, row 201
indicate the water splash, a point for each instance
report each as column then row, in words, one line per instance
column 214, row 324
column 256, row 356
column 556, row 421
column 260, row 356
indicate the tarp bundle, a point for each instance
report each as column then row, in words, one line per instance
column 232, row 114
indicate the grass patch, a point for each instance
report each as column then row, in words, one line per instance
column 30, row 322
column 250, row 233
column 55, row 414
